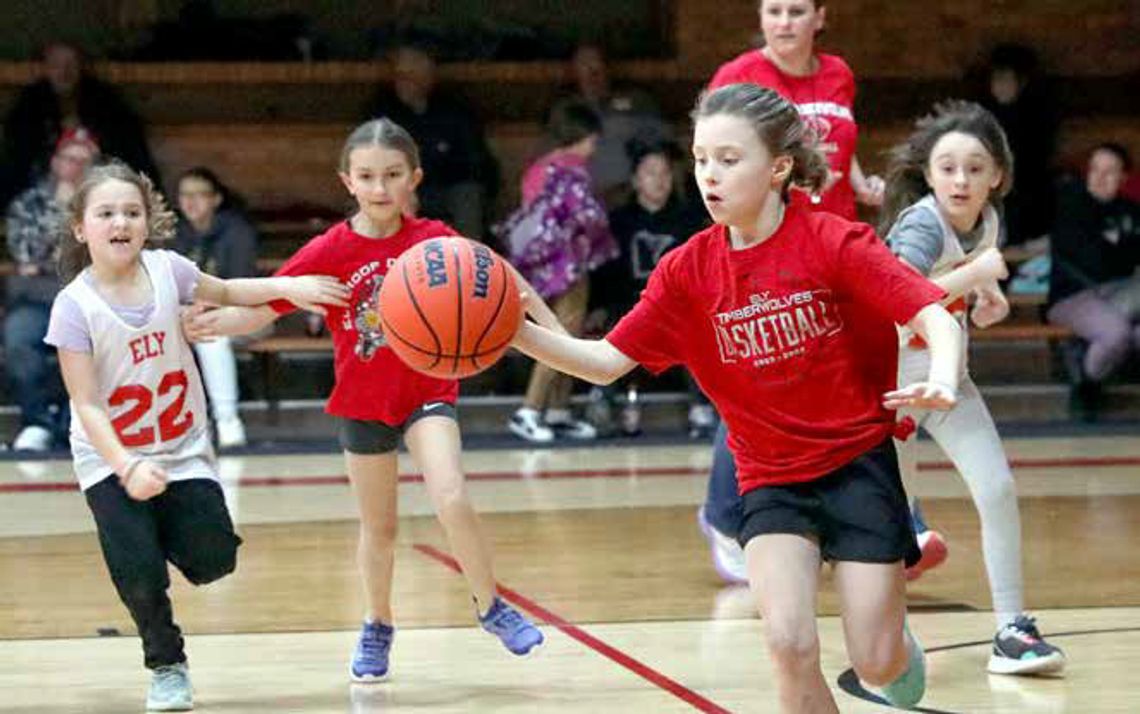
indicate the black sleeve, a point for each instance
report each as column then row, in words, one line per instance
column 237, row 254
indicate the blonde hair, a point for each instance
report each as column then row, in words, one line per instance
column 161, row 221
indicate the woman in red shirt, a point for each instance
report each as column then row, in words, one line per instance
column 786, row 318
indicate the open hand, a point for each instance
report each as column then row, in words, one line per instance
column 196, row 324
column 921, row 395
column 314, row 292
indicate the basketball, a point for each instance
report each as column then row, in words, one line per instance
column 449, row 307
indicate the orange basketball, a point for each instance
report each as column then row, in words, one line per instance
column 449, row 307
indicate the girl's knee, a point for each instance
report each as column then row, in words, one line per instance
column 379, row 537
column 213, row 562
column 879, row 662
column 791, row 647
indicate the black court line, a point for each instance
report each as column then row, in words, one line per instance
column 849, row 682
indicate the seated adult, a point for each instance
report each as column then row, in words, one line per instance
column 460, row 174
column 1094, row 287
column 67, row 97
column 33, row 221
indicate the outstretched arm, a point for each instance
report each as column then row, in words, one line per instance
column 943, row 335
column 201, row 324
column 308, row 292
column 595, row 361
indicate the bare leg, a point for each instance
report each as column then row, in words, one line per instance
column 374, row 479
column 783, row 573
column 434, row 443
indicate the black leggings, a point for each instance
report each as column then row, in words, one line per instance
column 188, row 524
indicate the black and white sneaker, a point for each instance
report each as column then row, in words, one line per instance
column 567, row 427
column 526, row 423
column 1019, row 648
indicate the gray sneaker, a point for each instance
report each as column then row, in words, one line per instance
column 170, row 689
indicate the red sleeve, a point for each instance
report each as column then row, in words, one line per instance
column 652, row 333
column 309, row 260
column 869, row 274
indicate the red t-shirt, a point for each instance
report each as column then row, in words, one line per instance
column 826, row 101
column 371, row 381
column 793, row 339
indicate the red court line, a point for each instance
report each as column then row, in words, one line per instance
column 642, row 670
column 1074, row 462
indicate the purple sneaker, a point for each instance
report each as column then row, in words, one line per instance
column 509, row 625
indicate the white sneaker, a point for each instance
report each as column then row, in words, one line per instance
column 231, row 433
column 526, row 424
column 32, row 438
column 573, row 429
column 702, row 421
column 727, row 555
column 170, row 690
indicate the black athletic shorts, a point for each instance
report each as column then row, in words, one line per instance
column 359, row 436
column 859, row 511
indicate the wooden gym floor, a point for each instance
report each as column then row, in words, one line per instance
column 601, row 546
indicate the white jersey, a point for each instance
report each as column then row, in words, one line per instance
column 148, row 381
column 914, row 358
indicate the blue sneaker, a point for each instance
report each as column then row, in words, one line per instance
column 906, row 691
column 170, row 689
column 370, row 659
column 509, row 625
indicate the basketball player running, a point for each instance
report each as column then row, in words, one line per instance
column 139, row 438
column 946, row 183
column 377, row 398
column 786, row 318
column 822, row 87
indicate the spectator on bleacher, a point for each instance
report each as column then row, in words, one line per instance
column 555, row 239
column 33, row 219
column 461, row 176
column 1094, row 287
column 1014, row 92
column 626, row 113
column 67, row 97
column 214, row 232
column 655, row 220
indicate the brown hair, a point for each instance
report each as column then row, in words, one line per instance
column 73, row 255
column 380, row 132
column 906, row 172
column 778, row 124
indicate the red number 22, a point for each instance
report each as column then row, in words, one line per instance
column 172, row 423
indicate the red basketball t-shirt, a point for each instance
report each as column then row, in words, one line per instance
column 371, row 381
column 826, row 101
column 793, row 339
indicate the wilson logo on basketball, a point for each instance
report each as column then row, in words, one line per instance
column 483, row 263
column 435, row 263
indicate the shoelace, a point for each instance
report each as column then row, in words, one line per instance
column 374, row 641
column 168, row 676
column 508, row 618
column 1028, row 625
